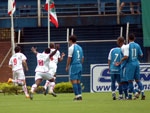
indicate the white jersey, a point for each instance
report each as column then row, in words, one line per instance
column 42, row 63
column 16, row 61
column 125, row 50
column 55, row 57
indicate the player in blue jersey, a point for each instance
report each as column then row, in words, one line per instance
column 122, row 63
column 74, row 66
column 115, row 56
column 133, row 67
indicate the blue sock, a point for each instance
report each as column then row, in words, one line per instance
column 113, row 87
column 130, row 84
column 125, row 89
column 75, row 89
column 79, row 89
column 120, row 90
column 139, row 83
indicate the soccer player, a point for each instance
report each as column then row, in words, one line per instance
column 133, row 67
column 74, row 66
column 42, row 69
column 115, row 56
column 53, row 68
column 123, row 62
column 16, row 62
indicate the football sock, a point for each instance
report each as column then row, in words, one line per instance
column 34, row 87
column 46, row 84
column 75, row 89
column 130, row 89
column 25, row 90
column 125, row 89
column 19, row 82
column 113, row 87
column 139, row 83
column 52, row 86
column 79, row 89
column 120, row 90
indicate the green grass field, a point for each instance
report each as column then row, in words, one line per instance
column 92, row 103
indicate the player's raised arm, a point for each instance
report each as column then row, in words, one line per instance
column 33, row 49
column 54, row 52
column 62, row 57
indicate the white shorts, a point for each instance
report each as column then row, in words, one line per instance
column 19, row 75
column 43, row 76
column 53, row 68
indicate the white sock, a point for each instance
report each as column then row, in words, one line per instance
column 52, row 86
column 46, row 84
column 34, row 87
column 25, row 90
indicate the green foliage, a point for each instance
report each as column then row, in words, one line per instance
column 64, row 87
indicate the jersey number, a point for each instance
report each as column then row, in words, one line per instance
column 133, row 52
column 116, row 57
column 15, row 61
column 40, row 62
column 52, row 58
column 78, row 52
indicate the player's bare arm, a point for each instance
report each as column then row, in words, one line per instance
column 25, row 65
column 33, row 49
column 123, row 59
column 82, row 60
column 54, row 52
column 68, row 64
column 62, row 57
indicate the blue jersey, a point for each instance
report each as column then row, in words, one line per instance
column 114, row 56
column 77, row 54
column 134, row 52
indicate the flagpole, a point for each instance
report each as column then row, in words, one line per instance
column 12, row 34
column 48, row 25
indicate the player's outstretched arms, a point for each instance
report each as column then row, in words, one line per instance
column 33, row 49
column 62, row 57
column 53, row 53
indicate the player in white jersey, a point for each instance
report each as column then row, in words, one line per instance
column 42, row 69
column 15, row 63
column 53, row 68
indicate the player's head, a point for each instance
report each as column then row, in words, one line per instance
column 52, row 45
column 72, row 39
column 131, row 37
column 120, row 41
column 17, row 49
column 47, row 50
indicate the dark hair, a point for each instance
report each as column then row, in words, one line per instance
column 17, row 49
column 47, row 50
column 120, row 40
column 52, row 45
column 73, row 38
column 131, row 36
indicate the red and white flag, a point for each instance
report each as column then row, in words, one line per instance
column 53, row 16
column 11, row 7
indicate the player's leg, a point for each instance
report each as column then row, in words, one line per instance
column 46, row 86
column 139, row 83
column 75, row 89
column 119, row 86
column 124, row 82
column 51, row 87
column 113, row 87
column 79, row 83
column 130, row 84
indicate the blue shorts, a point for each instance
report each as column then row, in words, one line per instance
column 115, row 77
column 75, row 72
column 123, row 74
column 133, row 71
